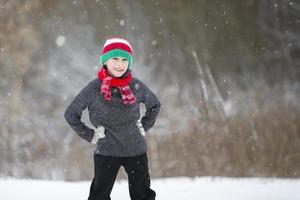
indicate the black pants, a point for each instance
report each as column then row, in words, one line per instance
column 106, row 170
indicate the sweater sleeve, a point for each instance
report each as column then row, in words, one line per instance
column 152, row 105
column 74, row 111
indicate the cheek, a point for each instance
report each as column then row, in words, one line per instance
column 109, row 67
column 125, row 63
column 110, row 64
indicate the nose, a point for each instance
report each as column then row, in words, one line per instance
column 119, row 63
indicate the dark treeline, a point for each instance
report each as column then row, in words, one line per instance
column 227, row 74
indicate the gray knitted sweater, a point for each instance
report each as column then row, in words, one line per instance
column 122, row 135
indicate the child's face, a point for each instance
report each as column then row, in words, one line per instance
column 117, row 66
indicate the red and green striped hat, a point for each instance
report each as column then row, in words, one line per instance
column 116, row 47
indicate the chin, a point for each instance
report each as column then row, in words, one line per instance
column 118, row 76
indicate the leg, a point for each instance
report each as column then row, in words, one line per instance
column 106, row 170
column 138, row 176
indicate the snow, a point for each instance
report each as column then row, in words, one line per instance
column 60, row 40
column 206, row 188
column 122, row 22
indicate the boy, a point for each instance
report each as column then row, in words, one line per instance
column 113, row 100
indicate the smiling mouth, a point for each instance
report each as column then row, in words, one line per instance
column 119, row 70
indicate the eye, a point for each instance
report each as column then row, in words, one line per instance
column 115, row 58
column 124, row 59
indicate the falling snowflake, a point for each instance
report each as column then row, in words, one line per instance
column 60, row 41
column 122, row 22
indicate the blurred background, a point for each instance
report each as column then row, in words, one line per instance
column 227, row 74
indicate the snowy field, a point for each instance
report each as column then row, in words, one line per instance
column 204, row 188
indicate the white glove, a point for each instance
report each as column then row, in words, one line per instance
column 98, row 133
column 140, row 126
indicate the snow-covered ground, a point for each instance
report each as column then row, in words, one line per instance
column 204, row 188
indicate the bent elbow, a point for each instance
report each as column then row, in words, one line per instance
column 67, row 115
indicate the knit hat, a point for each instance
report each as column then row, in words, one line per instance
column 116, row 47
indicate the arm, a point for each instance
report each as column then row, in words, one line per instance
column 74, row 111
column 152, row 105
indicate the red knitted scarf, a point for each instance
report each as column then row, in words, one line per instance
column 121, row 83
